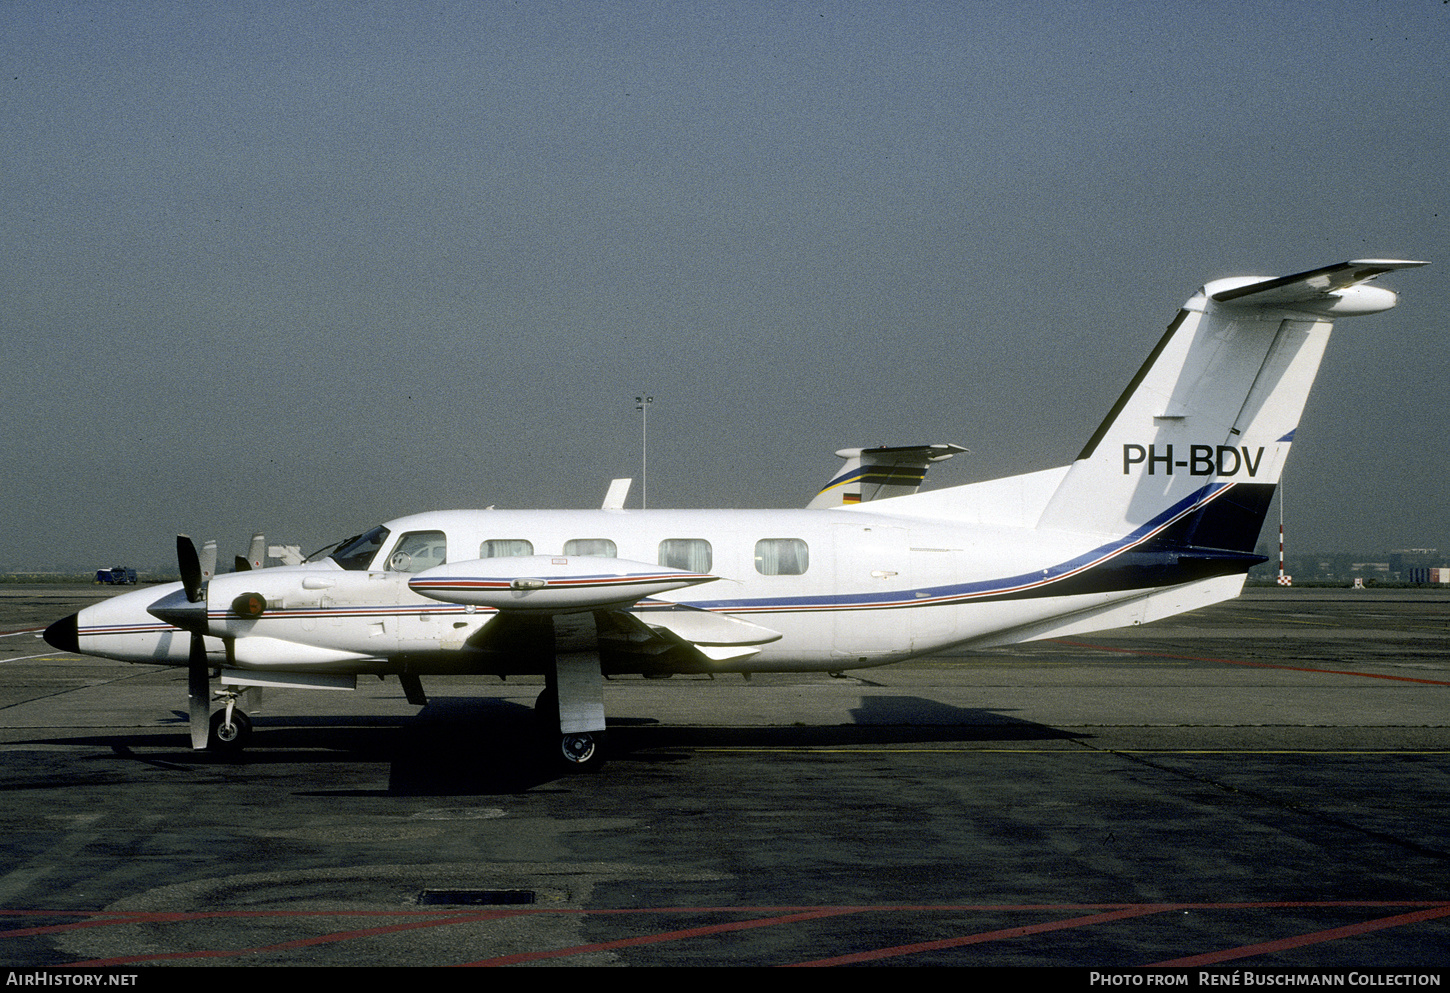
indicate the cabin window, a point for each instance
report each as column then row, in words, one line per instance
column 505, row 548
column 600, row 547
column 781, row 557
column 690, row 554
column 419, row 550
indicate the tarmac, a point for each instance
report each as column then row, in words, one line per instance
column 1257, row 785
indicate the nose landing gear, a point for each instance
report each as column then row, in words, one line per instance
column 231, row 728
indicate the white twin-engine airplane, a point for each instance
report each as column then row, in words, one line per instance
column 1159, row 514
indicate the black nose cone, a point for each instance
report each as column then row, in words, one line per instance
column 62, row 634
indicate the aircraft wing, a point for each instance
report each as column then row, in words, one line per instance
column 530, row 591
column 655, row 638
column 716, row 637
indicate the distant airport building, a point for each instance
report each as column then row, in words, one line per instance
column 1406, row 565
column 1419, row 565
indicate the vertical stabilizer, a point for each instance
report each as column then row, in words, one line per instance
column 1198, row 440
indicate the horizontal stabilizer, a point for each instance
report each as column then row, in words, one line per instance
column 1323, row 289
column 877, row 473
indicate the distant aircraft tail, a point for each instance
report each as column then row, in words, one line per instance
column 1190, row 454
column 877, row 473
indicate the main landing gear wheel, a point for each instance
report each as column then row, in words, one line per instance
column 582, row 751
column 578, row 751
column 229, row 735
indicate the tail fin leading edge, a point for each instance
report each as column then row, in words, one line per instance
column 1210, row 416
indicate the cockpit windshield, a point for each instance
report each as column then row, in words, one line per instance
column 355, row 553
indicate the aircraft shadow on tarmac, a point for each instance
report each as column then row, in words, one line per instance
column 468, row 745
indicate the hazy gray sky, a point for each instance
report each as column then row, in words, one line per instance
column 305, row 267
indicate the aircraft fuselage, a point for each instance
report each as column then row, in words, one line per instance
column 860, row 589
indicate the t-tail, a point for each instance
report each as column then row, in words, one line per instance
column 1189, row 457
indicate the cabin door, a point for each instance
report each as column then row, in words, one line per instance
column 872, row 566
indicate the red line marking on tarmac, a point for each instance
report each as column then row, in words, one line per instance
column 1251, row 665
column 1312, row 938
column 985, row 936
column 651, row 939
column 109, row 918
column 321, row 939
column 1424, row 910
column 26, row 932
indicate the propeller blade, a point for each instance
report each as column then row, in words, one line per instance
column 241, row 564
column 198, row 692
column 190, row 564
column 257, row 551
column 208, row 560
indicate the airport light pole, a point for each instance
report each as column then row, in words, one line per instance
column 641, row 404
